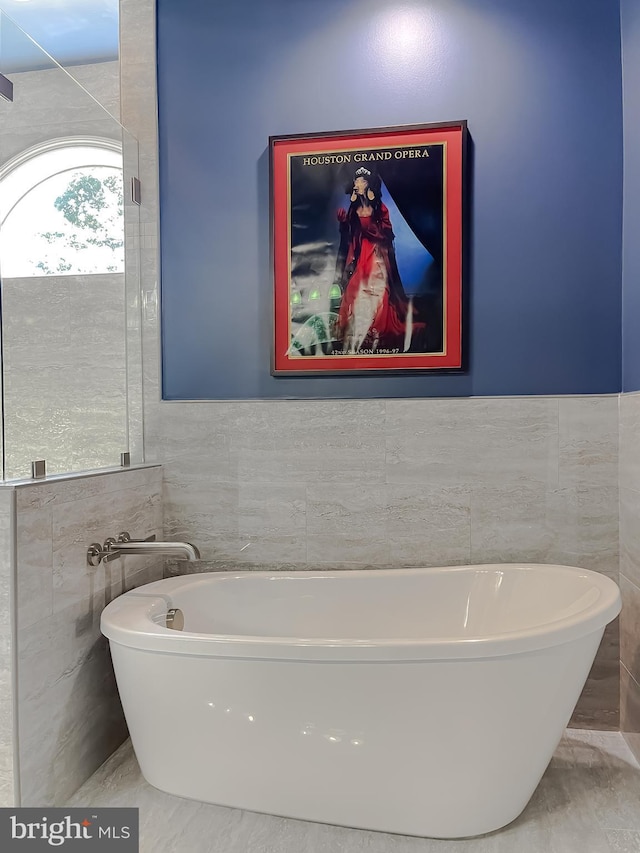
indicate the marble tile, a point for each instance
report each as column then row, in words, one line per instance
column 512, row 523
column 630, row 627
column 7, row 793
column 347, row 523
column 205, row 514
column 588, row 440
column 7, row 644
column 7, row 515
column 64, row 320
column 96, row 311
column 69, row 712
column 7, row 728
column 585, row 524
column 34, row 554
column 598, row 776
column 426, row 524
column 630, row 710
column 529, row 523
column 327, row 441
column 77, row 524
column 567, row 814
column 598, row 706
column 629, row 443
column 564, row 806
column 102, row 81
column 272, row 523
column 187, row 460
column 623, row 841
column 515, row 440
column 630, row 534
column 30, row 341
column 189, row 428
column 80, row 487
column 84, row 412
column 330, row 424
column 120, row 582
column 22, row 136
column 50, row 96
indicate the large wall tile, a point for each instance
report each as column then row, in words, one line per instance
column 629, row 441
column 7, row 648
column 272, row 523
column 33, row 495
column 102, row 82
column 77, row 524
column 584, row 520
column 588, row 440
column 426, row 524
column 347, row 524
column 70, row 715
column 205, row 514
column 630, row 627
column 630, row 709
column 34, row 557
column 512, row 523
column 311, row 442
column 19, row 137
column 599, row 704
column 630, row 568
column 69, row 711
column 630, row 534
column 50, row 96
column 472, row 441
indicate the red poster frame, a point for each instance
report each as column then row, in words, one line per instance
column 324, row 347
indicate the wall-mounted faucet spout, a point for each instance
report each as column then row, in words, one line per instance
column 168, row 549
column 124, row 544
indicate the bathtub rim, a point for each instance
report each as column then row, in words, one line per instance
column 132, row 620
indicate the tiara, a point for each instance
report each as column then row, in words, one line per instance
column 363, row 171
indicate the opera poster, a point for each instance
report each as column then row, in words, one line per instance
column 366, row 238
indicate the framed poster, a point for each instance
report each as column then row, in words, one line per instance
column 366, row 238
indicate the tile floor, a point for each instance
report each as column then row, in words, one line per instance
column 588, row 802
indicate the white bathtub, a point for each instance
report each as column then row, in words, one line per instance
column 418, row 701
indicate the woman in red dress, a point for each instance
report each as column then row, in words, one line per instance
column 373, row 309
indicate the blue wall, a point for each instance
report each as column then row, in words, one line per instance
column 630, row 17
column 539, row 83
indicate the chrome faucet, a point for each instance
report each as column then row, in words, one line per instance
column 124, row 544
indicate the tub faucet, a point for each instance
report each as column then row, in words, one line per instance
column 124, row 544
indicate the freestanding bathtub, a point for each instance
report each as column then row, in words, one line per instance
column 418, row 701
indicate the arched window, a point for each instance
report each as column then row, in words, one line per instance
column 61, row 209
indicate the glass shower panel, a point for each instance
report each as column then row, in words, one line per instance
column 5, row 93
column 66, row 338
column 81, row 36
column 132, row 243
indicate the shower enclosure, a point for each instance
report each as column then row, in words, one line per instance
column 69, row 265
column 71, row 393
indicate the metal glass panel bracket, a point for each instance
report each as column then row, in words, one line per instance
column 6, row 88
column 136, row 191
column 38, row 469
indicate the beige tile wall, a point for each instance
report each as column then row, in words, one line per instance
column 8, row 771
column 64, row 370
column 390, row 483
column 630, row 569
column 49, row 104
column 70, row 718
